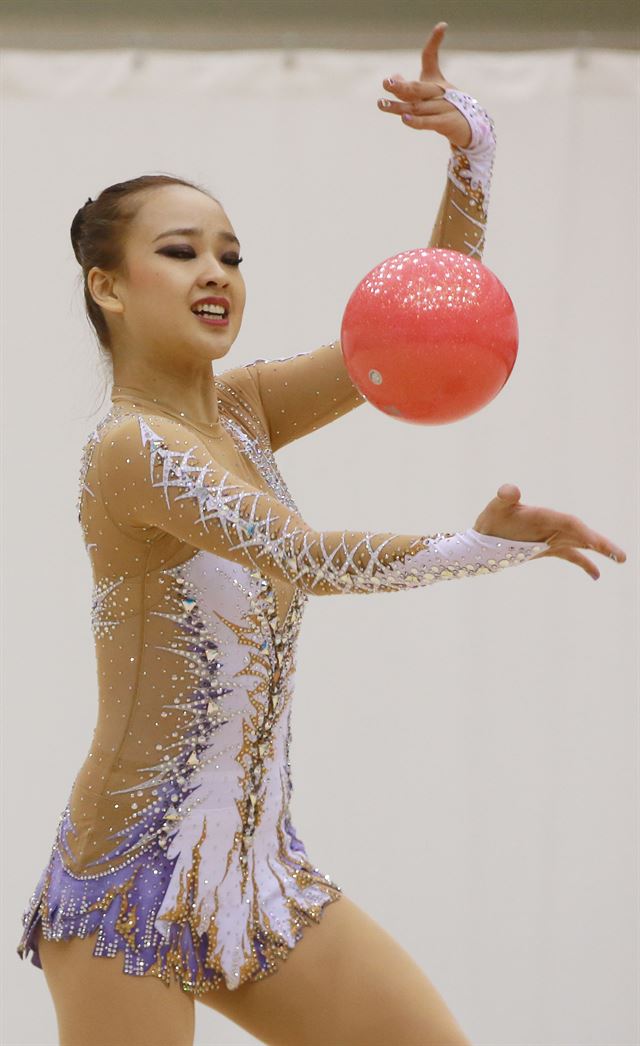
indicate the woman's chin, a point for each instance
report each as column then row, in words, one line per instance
column 215, row 348
column 209, row 346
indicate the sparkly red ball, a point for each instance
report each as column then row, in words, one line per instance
column 430, row 336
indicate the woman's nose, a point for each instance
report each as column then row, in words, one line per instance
column 215, row 272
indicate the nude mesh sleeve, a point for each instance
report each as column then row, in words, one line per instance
column 304, row 392
column 154, row 473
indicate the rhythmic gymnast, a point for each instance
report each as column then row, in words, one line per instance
column 176, row 874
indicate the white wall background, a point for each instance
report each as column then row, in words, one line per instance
column 465, row 757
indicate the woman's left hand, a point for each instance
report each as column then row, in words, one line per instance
column 505, row 516
column 421, row 104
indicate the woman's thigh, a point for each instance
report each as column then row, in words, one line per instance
column 97, row 1004
column 347, row 982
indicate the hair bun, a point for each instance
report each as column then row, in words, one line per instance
column 76, row 228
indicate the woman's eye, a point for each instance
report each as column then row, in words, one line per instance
column 188, row 252
column 178, row 252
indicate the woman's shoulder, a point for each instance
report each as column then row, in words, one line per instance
column 129, row 435
column 139, row 430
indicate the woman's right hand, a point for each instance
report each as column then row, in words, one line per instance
column 422, row 101
column 505, row 517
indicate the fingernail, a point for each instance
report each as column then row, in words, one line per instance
column 407, row 116
column 390, row 81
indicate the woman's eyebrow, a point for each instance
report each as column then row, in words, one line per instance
column 196, row 232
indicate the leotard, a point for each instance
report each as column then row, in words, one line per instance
column 176, row 845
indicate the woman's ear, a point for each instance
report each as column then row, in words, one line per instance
column 102, row 290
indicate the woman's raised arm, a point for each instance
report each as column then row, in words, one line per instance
column 304, row 392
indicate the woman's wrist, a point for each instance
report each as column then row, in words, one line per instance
column 478, row 537
column 470, row 169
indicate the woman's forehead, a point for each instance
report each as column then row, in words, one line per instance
column 186, row 208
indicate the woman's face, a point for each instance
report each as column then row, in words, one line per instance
column 151, row 308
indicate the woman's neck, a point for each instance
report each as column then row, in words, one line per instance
column 190, row 394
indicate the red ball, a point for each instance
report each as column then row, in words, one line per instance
column 429, row 336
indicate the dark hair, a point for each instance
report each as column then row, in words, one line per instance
column 98, row 233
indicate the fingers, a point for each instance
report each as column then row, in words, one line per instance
column 435, row 37
column 441, row 123
column 430, row 49
column 599, row 543
column 429, row 115
column 412, row 90
column 571, row 533
column 509, row 492
column 427, row 108
column 573, row 556
column 427, row 87
column 420, row 104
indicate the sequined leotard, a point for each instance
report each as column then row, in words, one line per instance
column 176, row 845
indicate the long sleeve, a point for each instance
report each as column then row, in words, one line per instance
column 461, row 221
column 155, row 473
column 301, row 393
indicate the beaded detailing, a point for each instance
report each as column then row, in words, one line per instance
column 304, row 555
column 256, row 445
column 104, row 607
column 259, row 452
column 225, row 858
column 470, row 170
column 164, row 905
column 87, row 457
column 85, row 462
column 480, row 152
